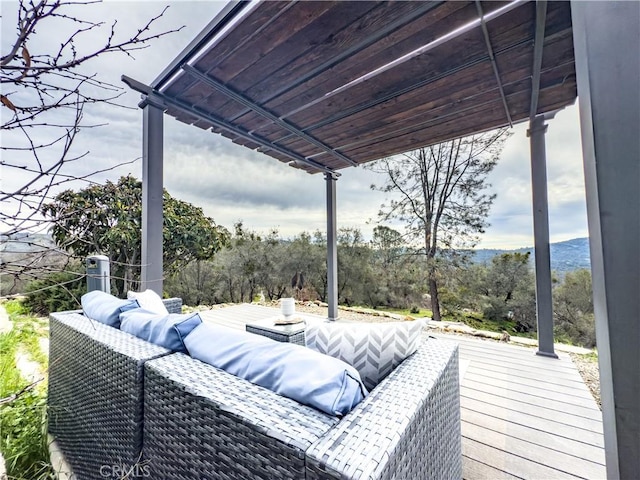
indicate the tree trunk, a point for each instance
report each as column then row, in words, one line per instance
column 435, row 302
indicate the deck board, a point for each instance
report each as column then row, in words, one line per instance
column 536, row 389
column 562, row 416
column 590, row 411
column 526, row 416
column 531, row 435
column 523, row 416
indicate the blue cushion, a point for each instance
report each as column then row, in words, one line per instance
column 294, row 371
column 104, row 308
column 168, row 330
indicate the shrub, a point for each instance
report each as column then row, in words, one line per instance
column 56, row 292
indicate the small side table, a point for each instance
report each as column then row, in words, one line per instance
column 266, row 327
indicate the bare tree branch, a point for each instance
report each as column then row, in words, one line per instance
column 46, row 90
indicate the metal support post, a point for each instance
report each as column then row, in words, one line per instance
column 544, row 303
column 152, row 218
column 606, row 37
column 332, row 248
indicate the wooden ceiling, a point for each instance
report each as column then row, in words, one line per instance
column 325, row 85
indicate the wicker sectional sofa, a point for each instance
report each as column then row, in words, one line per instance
column 120, row 406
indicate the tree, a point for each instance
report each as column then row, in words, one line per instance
column 106, row 219
column 46, row 89
column 389, row 246
column 306, row 256
column 439, row 194
column 573, row 308
column 397, row 278
column 506, row 274
column 354, row 267
column 509, row 289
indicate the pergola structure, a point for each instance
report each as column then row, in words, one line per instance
column 328, row 85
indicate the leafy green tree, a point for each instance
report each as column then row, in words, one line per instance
column 398, row 280
column 573, row 308
column 305, row 255
column 439, row 192
column 388, row 245
column 355, row 276
column 509, row 290
column 506, row 274
column 106, row 219
column 240, row 267
column 195, row 284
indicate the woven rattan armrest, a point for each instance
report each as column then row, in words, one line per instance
column 95, row 392
column 408, row 426
column 173, row 305
column 199, row 420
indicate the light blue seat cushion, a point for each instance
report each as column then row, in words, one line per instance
column 104, row 308
column 168, row 330
column 304, row 375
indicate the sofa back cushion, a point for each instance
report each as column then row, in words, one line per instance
column 293, row 371
column 104, row 308
column 168, row 331
column 374, row 349
column 149, row 300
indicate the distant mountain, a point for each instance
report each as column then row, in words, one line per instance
column 565, row 256
column 22, row 243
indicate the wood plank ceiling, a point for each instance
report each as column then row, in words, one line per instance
column 325, row 85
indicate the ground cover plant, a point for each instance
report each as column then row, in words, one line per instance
column 23, row 426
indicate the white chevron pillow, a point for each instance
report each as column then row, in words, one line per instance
column 374, row 349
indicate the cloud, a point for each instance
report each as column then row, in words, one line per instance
column 511, row 217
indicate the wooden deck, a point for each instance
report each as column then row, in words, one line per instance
column 526, row 416
column 523, row 416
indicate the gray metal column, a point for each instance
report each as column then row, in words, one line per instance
column 332, row 247
column 544, row 302
column 152, row 159
column 607, row 52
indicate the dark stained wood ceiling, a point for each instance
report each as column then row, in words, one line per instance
column 327, row 81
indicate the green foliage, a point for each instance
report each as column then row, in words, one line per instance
column 507, row 290
column 503, row 291
column 386, row 273
column 573, row 309
column 56, row 292
column 15, row 307
column 24, row 437
column 107, row 219
column 23, row 426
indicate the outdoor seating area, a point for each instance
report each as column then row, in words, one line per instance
column 117, row 401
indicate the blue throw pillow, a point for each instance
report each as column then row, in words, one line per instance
column 294, row 371
column 168, row 330
column 104, row 308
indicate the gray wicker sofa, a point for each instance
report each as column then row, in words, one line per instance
column 121, row 406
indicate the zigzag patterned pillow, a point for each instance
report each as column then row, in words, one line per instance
column 374, row 349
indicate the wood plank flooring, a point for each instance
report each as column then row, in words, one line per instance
column 526, row 416
column 523, row 416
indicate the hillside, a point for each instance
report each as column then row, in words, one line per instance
column 565, row 256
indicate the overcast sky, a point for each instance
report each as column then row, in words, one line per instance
column 233, row 183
